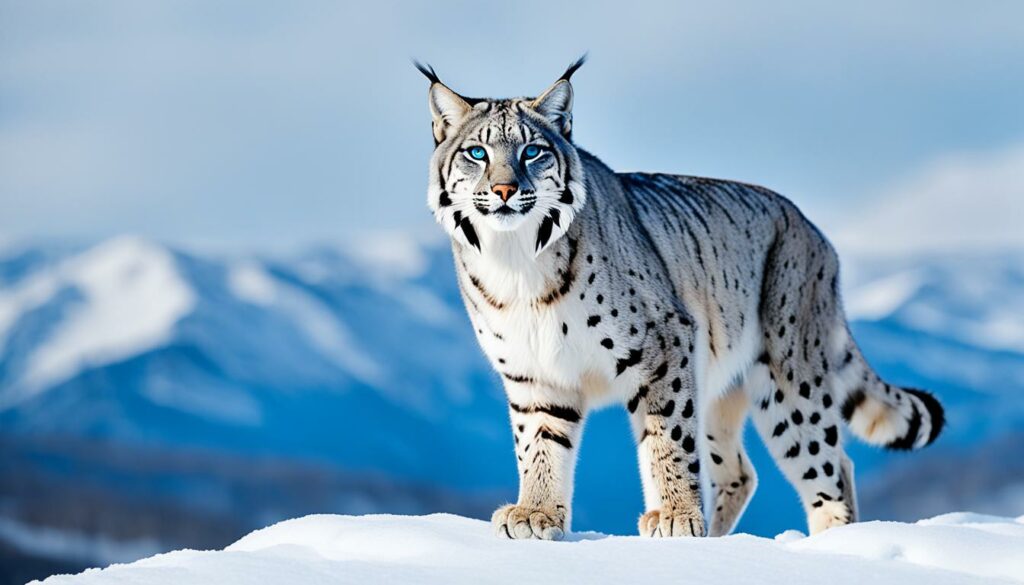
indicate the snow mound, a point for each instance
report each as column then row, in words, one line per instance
column 955, row 548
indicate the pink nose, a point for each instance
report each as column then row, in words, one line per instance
column 504, row 191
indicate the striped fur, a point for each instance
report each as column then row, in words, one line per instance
column 693, row 302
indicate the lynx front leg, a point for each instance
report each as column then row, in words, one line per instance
column 546, row 435
column 663, row 413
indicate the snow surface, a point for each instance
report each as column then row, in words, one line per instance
column 954, row 548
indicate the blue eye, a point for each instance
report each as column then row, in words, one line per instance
column 531, row 151
column 478, row 153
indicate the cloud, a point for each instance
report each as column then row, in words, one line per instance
column 956, row 203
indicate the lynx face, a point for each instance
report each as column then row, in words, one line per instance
column 504, row 165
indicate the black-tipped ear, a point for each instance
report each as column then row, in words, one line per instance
column 572, row 68
column 427, row 71
column 555, row 103
column 446, row 107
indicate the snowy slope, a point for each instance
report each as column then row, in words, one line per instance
column 951, row 549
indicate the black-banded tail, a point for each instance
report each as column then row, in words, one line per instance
column 883, row 414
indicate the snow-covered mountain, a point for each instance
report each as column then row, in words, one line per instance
column 322, row 356
column 213, row 393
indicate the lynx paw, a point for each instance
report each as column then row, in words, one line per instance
column 521, row 522
column 828, row 515
column 672, row 523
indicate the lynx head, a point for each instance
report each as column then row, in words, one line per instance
column 504, row 165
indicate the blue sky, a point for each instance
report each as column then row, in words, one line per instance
column 265, row 126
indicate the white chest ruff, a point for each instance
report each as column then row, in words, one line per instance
column 553, row 344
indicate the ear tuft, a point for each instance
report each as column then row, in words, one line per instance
column 427, row 71
column 568, row 72
column 446, row 107
column 555, row 103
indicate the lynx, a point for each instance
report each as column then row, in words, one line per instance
column 691, row 301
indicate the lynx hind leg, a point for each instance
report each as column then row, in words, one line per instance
column 795, row 405
column 733, row 479
column 802, row 434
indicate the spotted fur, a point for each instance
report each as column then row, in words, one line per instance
column 690, row 301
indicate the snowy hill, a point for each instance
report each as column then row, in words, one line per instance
column 951, row 549
column 187, row 398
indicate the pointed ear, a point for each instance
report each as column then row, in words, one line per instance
column 555, row 104
column 448, row 109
